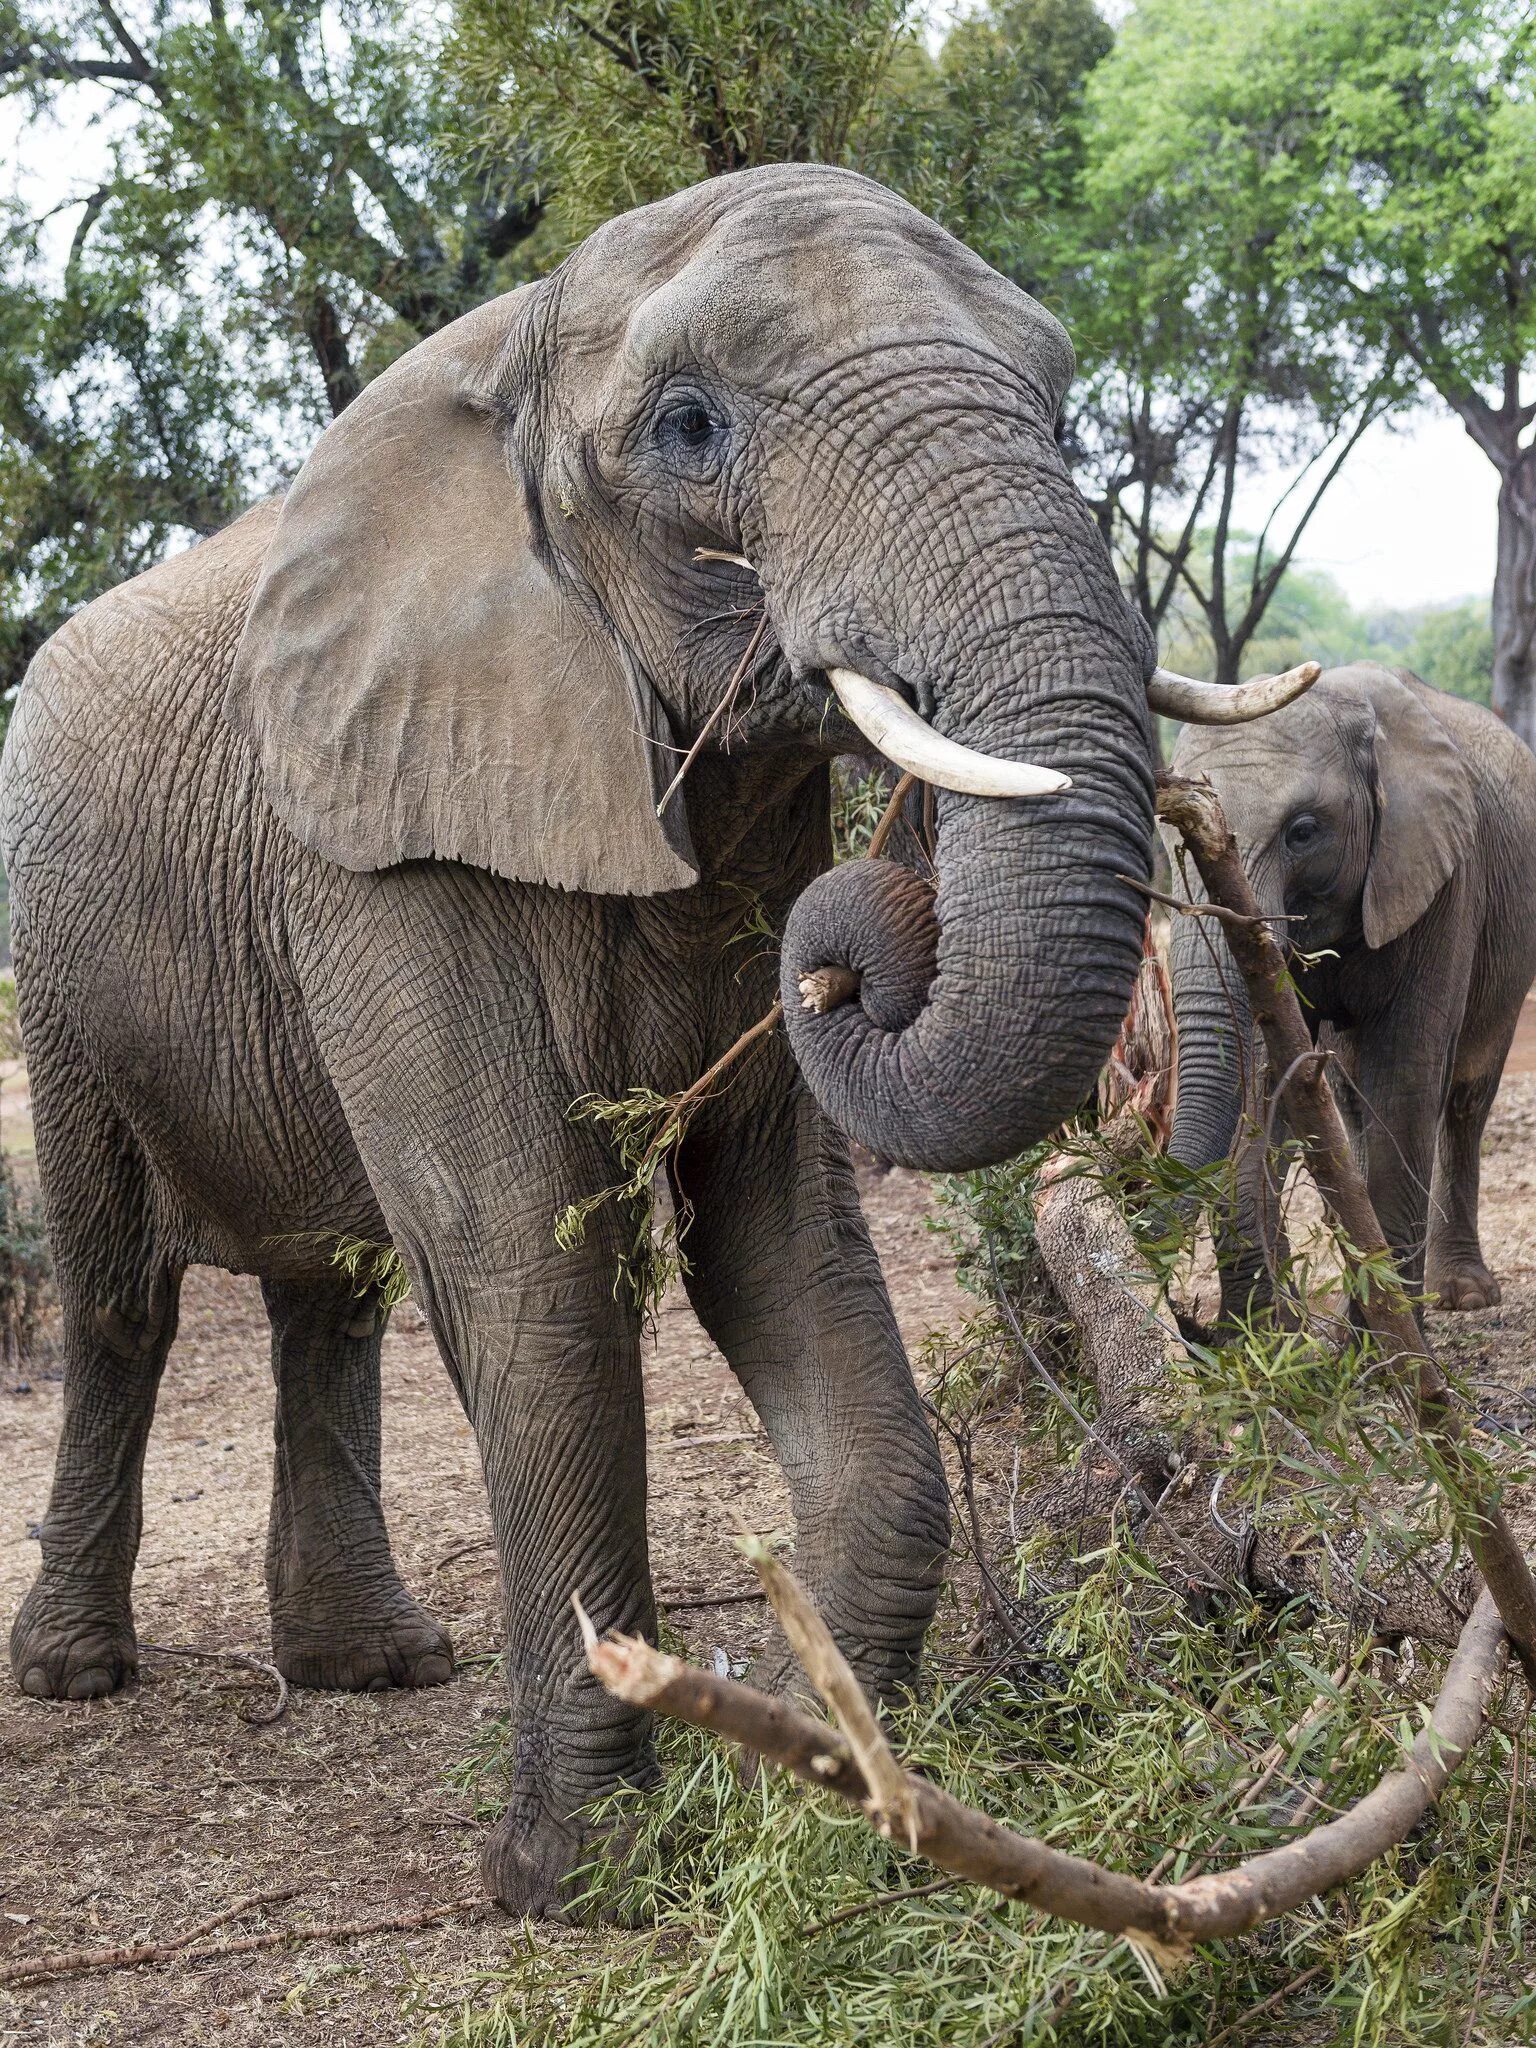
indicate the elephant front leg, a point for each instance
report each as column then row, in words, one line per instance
column 1401, row 1087
column 786, row 1282
column 549, row 1367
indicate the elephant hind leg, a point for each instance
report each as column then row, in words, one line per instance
column 341, row 1620
column 118, row 1283
column 1458, row 1274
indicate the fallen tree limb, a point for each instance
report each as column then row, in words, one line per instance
column 187, row 1948
column 1194, row 811
column 1167, row 1919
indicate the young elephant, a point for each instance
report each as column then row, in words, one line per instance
column 341, row 869
column 1395, row 826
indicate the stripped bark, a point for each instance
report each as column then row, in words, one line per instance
column 1167, row 1919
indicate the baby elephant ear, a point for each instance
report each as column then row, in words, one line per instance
column 1426, row 816
column 413, row 680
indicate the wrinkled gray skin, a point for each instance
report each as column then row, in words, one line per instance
column 1396, row 827
column 258, row 1015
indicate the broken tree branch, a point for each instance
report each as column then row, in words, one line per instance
column 971, row 1845
column 1194, row 811
column 186, row 1948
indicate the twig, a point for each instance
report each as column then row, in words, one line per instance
column 1185, row 908
column 1193, row 809
column 889, row 1799
column 879, row 1899
column 727, row 699
column 676, row 1605
column 889, row 817
column 73, row 1962
column 1164, row 1919
column 1517, row 1760
column 1265, row 2005
column 237, row 1660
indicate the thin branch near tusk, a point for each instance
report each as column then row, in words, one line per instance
column 1193, row 703
column 894, row 729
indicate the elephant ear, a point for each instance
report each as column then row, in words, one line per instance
column 414, row 681
column 1425, row 811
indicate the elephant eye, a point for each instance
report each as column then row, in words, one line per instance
column 1301, row 832
column 687, row 424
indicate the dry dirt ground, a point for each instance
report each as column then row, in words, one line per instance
column 133, row 1819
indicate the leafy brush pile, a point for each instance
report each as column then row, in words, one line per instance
column 766, row 1913
column 1092, row 1700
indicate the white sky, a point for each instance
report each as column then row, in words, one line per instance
column 1409, row 520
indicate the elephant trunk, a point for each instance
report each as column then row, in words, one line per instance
column 1216, row 1043
column 989, row 998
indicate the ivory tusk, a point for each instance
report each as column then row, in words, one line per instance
column 1181, row 697
column 891, row 726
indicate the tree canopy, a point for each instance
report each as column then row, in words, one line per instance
column 1263, row 221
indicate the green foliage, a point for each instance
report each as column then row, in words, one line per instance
column 276, row 224
column 1131, row 1734
column 370, row 1266
column 858, row 804
column 645, row 1130
column 120, row 430
column 633, row 99
column 373, row 1269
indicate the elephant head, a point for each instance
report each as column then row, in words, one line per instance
column 1351, row 810
column 514, row 578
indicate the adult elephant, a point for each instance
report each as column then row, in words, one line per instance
column 1394, row 827
column 338, row 875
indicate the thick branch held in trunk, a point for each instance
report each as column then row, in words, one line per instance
column 980, row 1850
column 1195, row 812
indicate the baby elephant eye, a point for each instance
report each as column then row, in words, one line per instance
column 1301, row 832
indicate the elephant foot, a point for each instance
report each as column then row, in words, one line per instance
column 72, row 1643
column 527, row 1860
column 1468, row 1286
column 338, row 1644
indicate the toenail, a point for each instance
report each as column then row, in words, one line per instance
column 89, row 1684
column 35, row 1684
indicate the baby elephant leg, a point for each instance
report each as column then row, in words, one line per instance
column 340, row 1617
column 1458, row 1275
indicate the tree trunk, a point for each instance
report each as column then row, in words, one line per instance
column 1514, row 598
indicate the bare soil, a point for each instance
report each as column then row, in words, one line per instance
column 132, row 1819
column 135, row 1818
